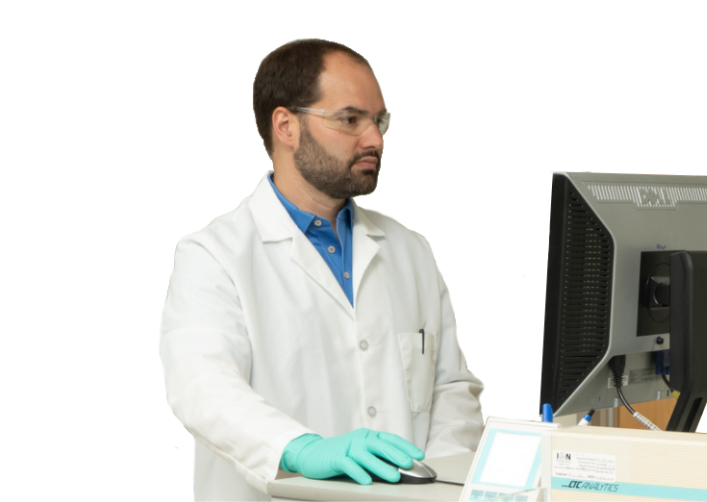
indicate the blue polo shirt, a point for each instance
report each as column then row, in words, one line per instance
column 336, row 250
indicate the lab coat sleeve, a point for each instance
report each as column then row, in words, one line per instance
column 456, row 422
column 206, row 356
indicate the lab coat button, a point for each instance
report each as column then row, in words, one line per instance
column 372, row 411
column 363, row 345
column 331, row 249
column 317, row 223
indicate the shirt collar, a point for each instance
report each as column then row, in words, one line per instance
column 303, row 220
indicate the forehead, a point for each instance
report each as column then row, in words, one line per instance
column 346, row 82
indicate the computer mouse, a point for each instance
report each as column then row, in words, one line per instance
column 418, row 474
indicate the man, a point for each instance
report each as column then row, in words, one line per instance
column 301, row 331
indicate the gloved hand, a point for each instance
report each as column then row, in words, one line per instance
column 319, row 458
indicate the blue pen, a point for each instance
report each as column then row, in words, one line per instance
column 547, row 413
column 587, row 418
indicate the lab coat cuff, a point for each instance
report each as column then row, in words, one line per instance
column 288, row 462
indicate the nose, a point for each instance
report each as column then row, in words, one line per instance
column 372, row 139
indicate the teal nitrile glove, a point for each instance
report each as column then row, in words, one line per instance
column 319, row 458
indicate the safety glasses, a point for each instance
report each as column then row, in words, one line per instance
column 349, row 120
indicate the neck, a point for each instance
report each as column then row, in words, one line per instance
column 307, row 198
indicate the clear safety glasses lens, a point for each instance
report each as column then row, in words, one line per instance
column 356, row 123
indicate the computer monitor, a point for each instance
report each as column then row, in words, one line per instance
column 626, row 278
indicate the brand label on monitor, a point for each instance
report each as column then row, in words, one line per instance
column 648, row 196
column 642, row 375
column 584, row 466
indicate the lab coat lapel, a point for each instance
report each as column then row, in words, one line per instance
column 269, row 215
column 365, row 246
column 275, row 224
column 308, row 258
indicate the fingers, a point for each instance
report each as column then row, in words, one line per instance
column 393, row 444
column 375, row 465
column 389, row 452
column 357, row 452
column 349, row 467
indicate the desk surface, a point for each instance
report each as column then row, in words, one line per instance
column 454, row 468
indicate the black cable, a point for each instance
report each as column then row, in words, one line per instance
column 617, row 365
column 623, row 400
column 448, row 482
column 667, row 382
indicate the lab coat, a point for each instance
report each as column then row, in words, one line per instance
column 260, row 345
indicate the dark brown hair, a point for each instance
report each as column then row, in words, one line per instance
column 289, row 77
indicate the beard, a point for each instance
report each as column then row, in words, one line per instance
column 332, row 176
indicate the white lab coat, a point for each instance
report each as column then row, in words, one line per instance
column 260, row 345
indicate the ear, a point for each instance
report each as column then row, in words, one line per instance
column 285, row 127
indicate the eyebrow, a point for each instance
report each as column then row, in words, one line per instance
column 358, row 110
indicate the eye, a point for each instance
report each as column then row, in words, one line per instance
column 349, row 119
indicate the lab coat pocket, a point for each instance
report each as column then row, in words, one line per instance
column 419, row 368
